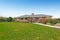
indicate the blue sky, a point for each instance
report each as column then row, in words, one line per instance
column 16, row 8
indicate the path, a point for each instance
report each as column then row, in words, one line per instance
column 48, row 25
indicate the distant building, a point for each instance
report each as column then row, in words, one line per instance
column 33, row 18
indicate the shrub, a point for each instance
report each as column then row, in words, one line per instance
column 10, row 19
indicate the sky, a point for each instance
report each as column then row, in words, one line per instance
column 15, row 8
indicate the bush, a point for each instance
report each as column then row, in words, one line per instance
column 10, row 19
column 3, row 19
column 54, row 21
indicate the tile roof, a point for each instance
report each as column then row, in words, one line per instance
column 40, row 15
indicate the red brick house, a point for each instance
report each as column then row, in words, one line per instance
column 33, row 18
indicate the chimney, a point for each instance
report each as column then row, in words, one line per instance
column 32, row 13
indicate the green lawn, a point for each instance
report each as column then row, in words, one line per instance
column 27, row 31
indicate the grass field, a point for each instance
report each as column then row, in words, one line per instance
column 27, row 31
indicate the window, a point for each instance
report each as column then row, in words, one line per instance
column 25, row 18
column 21, row 18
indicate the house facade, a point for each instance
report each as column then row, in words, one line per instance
column 33, row 18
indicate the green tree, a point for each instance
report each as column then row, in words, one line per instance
column 54, row 21
column 3, row 20
column 10, row 19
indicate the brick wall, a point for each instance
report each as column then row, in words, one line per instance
column 42, row 19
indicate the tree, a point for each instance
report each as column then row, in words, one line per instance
column 54, row 21
column 3, row 20
column 10, row 19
